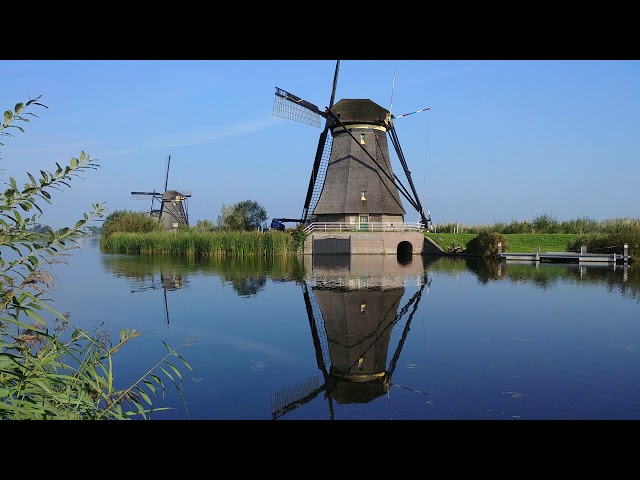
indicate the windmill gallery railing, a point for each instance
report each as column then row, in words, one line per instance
column 364, row 227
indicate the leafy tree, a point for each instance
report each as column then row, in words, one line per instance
column 63, row 372
column 246, row 215
column 227, row 220
column 205, row 226
column 129, row 221
column 39, row 228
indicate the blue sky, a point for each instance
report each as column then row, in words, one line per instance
column 503, row 139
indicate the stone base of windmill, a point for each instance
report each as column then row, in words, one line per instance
column 363, row 243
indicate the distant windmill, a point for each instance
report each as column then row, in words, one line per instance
column 169, row 206
column 351, row 178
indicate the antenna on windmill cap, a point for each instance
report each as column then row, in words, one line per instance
column 392, row 87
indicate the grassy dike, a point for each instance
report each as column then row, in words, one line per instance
column 516, row 242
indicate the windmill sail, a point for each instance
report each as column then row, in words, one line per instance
column 287, row 105
column 290, row 106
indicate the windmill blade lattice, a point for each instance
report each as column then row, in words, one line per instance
column 289, row 106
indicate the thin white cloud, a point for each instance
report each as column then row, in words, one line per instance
column 217, row 133
column 209, row 134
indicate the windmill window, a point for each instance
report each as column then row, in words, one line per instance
column 360, row 364
column 363, row 195
column 362, row 139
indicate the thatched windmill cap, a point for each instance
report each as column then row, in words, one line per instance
column 359, row 110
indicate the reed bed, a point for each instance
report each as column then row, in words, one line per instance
column 201, row 244
column 545, row 224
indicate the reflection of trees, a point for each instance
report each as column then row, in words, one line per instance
column 623, row 279
column 247, row 275
column 247, row 286
column 485, row 268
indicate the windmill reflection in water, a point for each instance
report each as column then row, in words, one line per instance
column 168, row 282
column 353, row 304
column 147, row 275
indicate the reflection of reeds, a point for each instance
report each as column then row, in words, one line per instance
column 202, row 244
column 142, row 267
column 627, row 283
column 622, row 280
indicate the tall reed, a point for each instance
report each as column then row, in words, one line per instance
column 198, row 243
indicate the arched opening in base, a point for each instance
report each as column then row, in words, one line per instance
column 404, row 252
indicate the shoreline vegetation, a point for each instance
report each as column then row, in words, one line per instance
column 132, row 233
column 49, row 368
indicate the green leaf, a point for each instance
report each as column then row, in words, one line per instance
column 150, row 385
column 186, row 364
column 33, row 180
column 144, row 395
column 167, row 373
column 177, row 372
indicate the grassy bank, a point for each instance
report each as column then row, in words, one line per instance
column 547, row 233
column 516, row 242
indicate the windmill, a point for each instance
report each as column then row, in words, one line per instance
column 352, row 179
column 169, row 206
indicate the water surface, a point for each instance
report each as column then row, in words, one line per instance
column 369, row 337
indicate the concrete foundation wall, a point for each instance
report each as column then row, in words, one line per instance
column 378, row 243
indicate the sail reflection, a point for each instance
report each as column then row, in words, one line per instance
column 353, row 304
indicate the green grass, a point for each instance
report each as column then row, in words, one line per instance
column 516, row 242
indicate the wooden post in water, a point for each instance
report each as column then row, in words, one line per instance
column 626, row 252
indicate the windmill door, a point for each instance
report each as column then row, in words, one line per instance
column 364, row 220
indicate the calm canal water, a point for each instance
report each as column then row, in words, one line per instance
column 368, row 337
